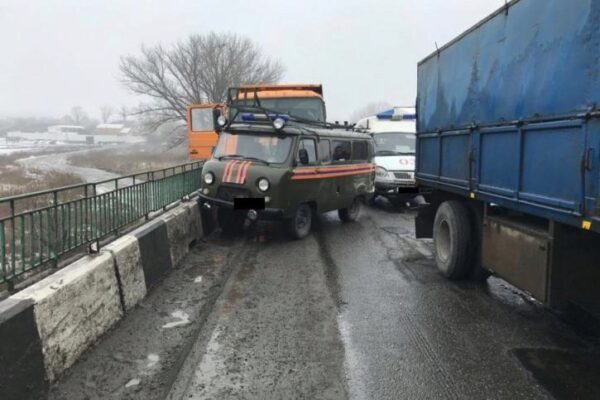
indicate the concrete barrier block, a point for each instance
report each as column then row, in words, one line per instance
column 73, row 308
column 154, row 251
column 183, row 227
column 22, row 373
column 128, row 261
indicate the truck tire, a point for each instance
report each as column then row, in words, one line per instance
column 230, row 221
column 298, row 226
column 351, row 213
column 452, row 240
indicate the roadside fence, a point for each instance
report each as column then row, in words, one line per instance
column 37, row 229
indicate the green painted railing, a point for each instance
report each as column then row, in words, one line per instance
column 37, row 229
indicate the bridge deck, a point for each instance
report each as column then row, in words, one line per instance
column 354, row 311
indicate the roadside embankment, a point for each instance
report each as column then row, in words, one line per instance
column 46, row 327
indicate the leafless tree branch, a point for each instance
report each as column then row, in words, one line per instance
column 105, row 113
column 194, row 71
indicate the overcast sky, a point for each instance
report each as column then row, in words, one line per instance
column 57, row 54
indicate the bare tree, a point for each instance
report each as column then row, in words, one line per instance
column 123, row 113
column 368, row 110
column 105, row 113
column 78, row 115
column 196, row 70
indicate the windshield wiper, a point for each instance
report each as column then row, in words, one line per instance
column 244, row 157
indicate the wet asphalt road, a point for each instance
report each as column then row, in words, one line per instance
column 353, row 311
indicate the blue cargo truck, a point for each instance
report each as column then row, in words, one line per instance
column 508, row 121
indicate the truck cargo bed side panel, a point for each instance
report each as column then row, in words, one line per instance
column 540, row 58
column 592, row 179
column 509, row 112
column 454, row 160
column 498, row 161
column 551, row 171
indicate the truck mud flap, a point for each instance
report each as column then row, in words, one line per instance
column 424, row 222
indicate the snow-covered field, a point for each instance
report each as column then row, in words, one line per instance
column 9, row 147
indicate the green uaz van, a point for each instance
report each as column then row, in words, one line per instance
column 270, row 165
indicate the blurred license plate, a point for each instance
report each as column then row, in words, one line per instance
column 249, row 203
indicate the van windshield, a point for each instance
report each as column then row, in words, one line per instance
column 394, row 143
column 311, row 108
column 260, row 147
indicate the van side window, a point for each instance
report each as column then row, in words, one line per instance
column 311, row 149
column 360, row 151
column 324, row 151
column 341, row 150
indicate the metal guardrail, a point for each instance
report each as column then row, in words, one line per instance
column 36, row 229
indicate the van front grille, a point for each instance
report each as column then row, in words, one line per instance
column 404, row 175
column 229, row 193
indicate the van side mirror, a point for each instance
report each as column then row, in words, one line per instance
column 303, row 156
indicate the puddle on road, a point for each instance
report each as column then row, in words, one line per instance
column 412, row 257
column 566, row 374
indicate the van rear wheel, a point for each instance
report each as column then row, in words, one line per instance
column 298, row 226
column 452, row 239
column 351, row 213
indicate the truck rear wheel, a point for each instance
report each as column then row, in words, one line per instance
column 452, row 239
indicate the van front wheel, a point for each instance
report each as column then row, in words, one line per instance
column 299, row 225
column 351, row 213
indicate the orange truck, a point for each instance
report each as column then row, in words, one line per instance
column 304, row 101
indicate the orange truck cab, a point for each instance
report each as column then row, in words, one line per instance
column 303, row 101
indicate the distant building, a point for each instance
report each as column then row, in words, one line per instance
column 66, row 129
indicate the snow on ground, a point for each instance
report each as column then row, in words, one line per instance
column 9, row 147
column 59, row 162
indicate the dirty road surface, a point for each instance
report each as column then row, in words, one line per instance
column 354, row 311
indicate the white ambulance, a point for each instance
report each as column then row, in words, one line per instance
column 394, row 133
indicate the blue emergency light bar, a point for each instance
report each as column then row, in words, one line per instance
column 251, row 117
column 391, row 115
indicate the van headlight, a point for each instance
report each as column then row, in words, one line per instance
column 209, row 178
column 263, row 184
column 381, row 172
